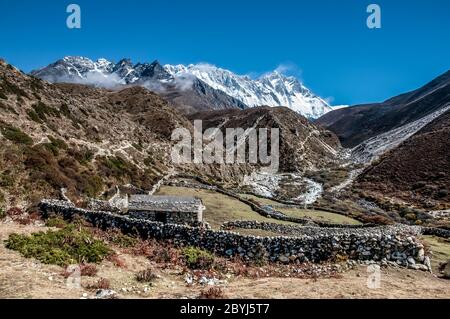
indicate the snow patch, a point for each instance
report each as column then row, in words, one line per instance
column 371, row 149
column 313, row 193
column 268, row 185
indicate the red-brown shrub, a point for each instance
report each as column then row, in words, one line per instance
column 102, row 283
column 212, row 293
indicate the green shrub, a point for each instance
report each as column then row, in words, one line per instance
column 138, row 147
column 442, row 193
column 118, row 167
column 55, row 145
column 9, row 87
column 63, row 247
column 52, row 148
column 124, row 241
column 93, row 185
column 117, row 164
column 6, row 180
column 83, row 156
column 197, row 258
column 36, row 84
column 57, row 142
column 2, row 213
column 34, row 116
column 15, row 134
column 42, row 110
column 411, row 216
column 64, row 109
column 56, row 221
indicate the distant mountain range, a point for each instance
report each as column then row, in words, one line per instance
column 272, row 89
column 192, row 88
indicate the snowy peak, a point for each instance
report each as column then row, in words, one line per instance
column 102, row 72
column 271, row 89
column 80, row 65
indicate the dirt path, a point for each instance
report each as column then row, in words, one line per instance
column 27, row 278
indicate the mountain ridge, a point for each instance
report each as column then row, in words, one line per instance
column 356, row 124
column 270, row 89
column 232, row 90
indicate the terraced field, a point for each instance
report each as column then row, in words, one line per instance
column 220, row 208
column 440, row 250
column 316, row 215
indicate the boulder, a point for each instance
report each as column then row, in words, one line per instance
column 427, row 263
column 105, row 294
column 283, row 259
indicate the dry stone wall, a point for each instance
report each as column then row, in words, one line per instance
column 293, row 230
column 322, row 244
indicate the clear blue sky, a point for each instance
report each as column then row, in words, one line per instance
column 334, row 52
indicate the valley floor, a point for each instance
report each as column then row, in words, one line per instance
column 27, row 278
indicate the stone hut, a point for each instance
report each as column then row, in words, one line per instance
column 167, row 209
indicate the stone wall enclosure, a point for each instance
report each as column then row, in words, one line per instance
column 388, row 243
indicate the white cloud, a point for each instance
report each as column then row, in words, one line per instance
column 91, row 78
column 184, row 81
column 289, row 68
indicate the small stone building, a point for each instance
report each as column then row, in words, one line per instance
column 167, row 209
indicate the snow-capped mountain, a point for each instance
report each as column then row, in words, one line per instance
column 272, row 89
column 102, row 72
column 228, row 88
column 186, row 92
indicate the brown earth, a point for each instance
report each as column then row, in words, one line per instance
column 303, row 145
column 27, row 278
column 418, row 171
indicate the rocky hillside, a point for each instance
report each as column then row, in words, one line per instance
column 196, row 96
column 88, row 139
column 417, row 172
column 357, row 124
column 303, row 145
column 81, row 138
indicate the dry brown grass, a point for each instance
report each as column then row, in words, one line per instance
column 147, row 275
column 26, row 278
column 315, row 215
column 102, row 283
